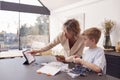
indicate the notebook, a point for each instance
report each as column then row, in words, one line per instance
column 51, row 68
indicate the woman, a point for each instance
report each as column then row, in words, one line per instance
column 69, row 38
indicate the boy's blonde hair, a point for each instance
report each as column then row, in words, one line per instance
column 93, row 33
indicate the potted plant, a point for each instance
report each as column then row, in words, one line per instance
column 107, row 26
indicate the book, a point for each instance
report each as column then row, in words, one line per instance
column 51, row 68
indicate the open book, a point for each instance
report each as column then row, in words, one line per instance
column 51, row 68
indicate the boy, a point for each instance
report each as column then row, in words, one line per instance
column 93, row 58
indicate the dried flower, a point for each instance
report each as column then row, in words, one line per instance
column 108, row 25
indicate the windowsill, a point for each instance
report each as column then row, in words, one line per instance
column 11, row 53
column 18, row 53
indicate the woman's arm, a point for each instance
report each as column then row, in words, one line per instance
column 48, row 46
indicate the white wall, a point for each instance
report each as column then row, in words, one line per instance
column 95, row 13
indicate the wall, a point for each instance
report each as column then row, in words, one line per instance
column 95, row 12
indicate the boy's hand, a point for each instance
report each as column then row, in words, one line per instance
column 60, row 58
column 77, row 60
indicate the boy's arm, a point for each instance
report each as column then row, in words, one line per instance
column 92, row 66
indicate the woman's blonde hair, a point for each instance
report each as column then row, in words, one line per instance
column 72, row 25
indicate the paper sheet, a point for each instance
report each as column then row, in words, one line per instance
column 51, row 68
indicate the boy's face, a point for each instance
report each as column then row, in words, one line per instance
column 88, row 42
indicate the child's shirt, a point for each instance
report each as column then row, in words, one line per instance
column 96, row 56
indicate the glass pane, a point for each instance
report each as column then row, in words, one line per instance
column 34, row 28
column 31, row 2
column 14, row 1
column 8, row 30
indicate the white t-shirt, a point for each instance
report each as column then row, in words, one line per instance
column 96, row 56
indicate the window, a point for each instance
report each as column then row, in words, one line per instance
column 18, row 31
column 22, row 25
column 33, row 28
column 8, row 30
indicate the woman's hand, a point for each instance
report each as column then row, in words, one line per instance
column 33, row 52
column 60, row 58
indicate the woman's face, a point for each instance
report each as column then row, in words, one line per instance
column 68, row 34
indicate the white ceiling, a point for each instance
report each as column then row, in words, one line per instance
column 56, row 4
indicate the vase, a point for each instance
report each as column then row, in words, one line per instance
column 107, row 42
